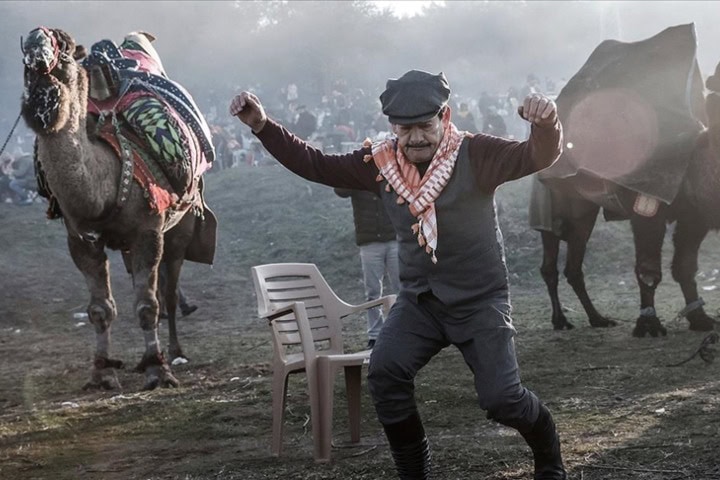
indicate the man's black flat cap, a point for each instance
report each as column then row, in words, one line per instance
column 415, row 97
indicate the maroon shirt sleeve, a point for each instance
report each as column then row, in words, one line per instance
column 339, row 171
column 498, row 160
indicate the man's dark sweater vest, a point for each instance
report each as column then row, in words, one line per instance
column 471, row 266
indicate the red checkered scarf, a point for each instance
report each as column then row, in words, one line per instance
column 419, row 192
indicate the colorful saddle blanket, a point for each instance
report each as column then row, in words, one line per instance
column 128, row 69
column 129, row 86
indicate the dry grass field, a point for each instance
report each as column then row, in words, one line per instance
column 622, row 412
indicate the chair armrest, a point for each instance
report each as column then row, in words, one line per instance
column 278, row 311
column 386, row 301
column 303, row 327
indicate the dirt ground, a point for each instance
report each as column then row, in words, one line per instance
column 621, row 411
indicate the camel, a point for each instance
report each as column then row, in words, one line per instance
column 102, row 207
column 693, row 210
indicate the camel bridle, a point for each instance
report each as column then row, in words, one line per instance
column 30, row 59
column 27, row 61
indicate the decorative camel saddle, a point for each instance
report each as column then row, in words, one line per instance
column 151, row 116
column 156, row 130
column 153, row 124
column 631, row 115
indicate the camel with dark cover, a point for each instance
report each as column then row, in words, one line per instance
column 95, row 187
column 633, row 118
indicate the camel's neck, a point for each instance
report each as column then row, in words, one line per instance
column 81, row 173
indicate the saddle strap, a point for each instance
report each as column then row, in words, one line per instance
column 158, row 198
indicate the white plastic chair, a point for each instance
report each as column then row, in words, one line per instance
column 304, row 312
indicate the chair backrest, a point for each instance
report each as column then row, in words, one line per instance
column 278, row 284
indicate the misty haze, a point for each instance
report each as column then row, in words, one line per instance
column 614, row 333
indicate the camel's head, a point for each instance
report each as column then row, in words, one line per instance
column 51, row 78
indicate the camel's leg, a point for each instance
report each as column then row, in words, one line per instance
column 649, row 233
column 161, row 289
column 176, row 242
column 90, row 259
column 687, row 238
column 147, row 250
column 172, row 275
column 550, row 274
column 577, row 239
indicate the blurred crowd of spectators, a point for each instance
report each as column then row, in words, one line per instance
column 17, row 179
column 344, row 117
column 18, row 185
column 337, row 123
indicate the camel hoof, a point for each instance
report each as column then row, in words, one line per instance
column 648, row 325
column 177, row 357
column 601, row 322
column 151, row 383
column 561, row 323
column 701, row 322
column 169, row 381
column 159, row 376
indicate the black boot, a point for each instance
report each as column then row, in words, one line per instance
column 410, row 448
column 545, row 444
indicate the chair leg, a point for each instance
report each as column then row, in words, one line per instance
column 323, row 437
column 279, row 395
column 353, row 379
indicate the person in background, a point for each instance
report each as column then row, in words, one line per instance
column 438, row 185
column 222, row 141
column 6, row 195
column 306, row 123
column 22, row 179
column 465, row 120
column 375, row 235
column 493, row 123
column 185, row 307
